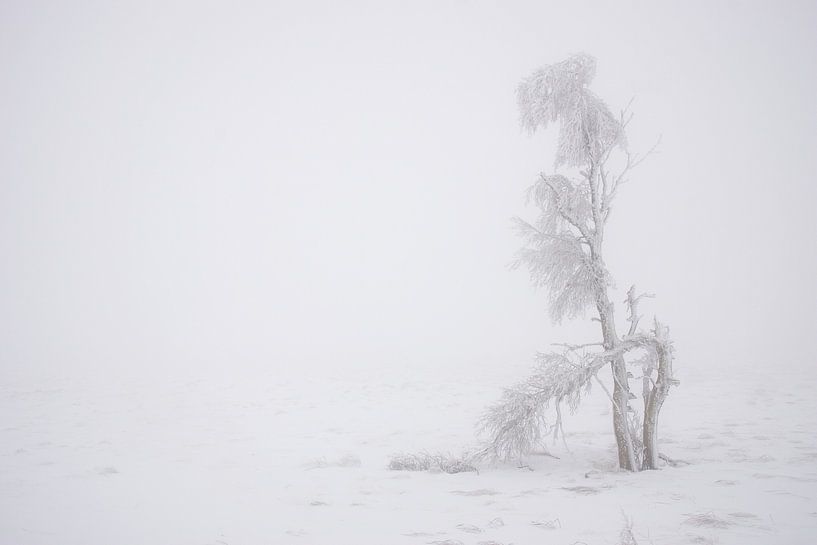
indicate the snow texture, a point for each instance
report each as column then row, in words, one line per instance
column 209, row 461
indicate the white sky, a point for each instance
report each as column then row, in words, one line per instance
column 234, row 185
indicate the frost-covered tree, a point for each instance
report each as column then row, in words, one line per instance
column 563, row 251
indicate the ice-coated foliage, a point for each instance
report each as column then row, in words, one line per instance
column 556, row 252
column 559, row 93
column 562, row 202
column 558, row 245
column 559, row 263
column 518, row 421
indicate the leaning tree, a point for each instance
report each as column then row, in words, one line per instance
column 563, row 251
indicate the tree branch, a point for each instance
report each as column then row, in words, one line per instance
column 632, row 303
column 560, row 209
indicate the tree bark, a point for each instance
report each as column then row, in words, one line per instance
column 621, row 384
column 656, row 398
column 621, row 389
column 621, row 425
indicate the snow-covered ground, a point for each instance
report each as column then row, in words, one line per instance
column 281, row 458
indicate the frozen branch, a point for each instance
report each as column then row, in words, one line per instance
column 632, row 304
column 632, row 161
column 559, row 93
column 515, row 425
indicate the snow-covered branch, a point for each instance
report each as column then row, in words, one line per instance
column 632, row 304
column 559, row 93
column 557, row 247
column 517, row 423
column 560, row 263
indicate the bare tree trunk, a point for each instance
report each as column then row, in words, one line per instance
column 645, row 382
column 621, row 385
column 656, row 397
column 621, row 425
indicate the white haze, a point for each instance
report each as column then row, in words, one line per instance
column 228, row 187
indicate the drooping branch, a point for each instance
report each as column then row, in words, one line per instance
column 556, row 251
column 516, row 423
column 559, row 93
column 563, row 204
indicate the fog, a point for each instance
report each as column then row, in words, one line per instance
column 314, row 187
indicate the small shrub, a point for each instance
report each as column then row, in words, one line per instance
column 424, row 461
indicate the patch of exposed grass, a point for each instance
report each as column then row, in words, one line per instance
column 431, row 462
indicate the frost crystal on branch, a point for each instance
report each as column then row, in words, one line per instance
column 517, row 422
column 556, row 251
column 558, row 262
column 559, row 93
column 563, row 203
